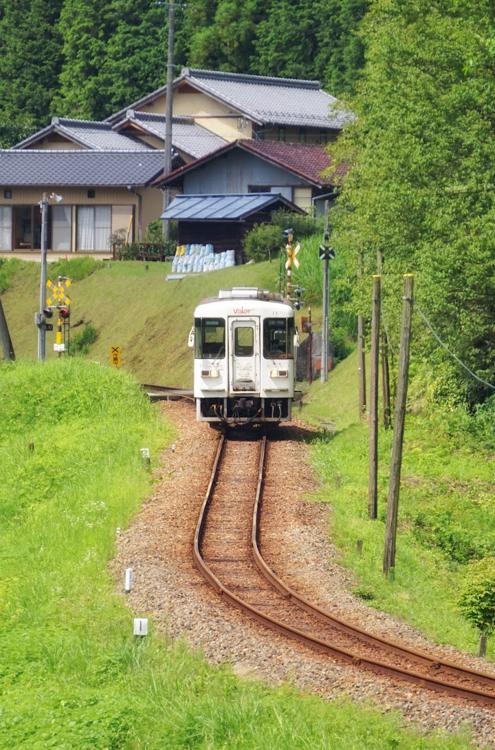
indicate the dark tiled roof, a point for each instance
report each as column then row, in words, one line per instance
column 79, row 168
column 265, row 100
column 231, row 207
column 307, row 161
column 88, row 133
column 187, row 136
column 280, row 101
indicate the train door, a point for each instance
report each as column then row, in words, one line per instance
column 244, row 355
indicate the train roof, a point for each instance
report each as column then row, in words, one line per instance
column 245, row 301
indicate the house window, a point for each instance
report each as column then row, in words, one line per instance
column 61, row 228
column 259, row 188
column 27, row 227
column 282, row 134
column 94, row 227
column 5, row 228
column 302, row 135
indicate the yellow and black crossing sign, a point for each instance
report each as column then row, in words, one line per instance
column 57, row 292
column 115, row 356
column 292, row 251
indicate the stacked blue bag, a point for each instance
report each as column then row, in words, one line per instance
column 199, row 258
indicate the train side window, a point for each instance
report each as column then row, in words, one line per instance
column 209, row 338
column 244, row 341
column 278, row 338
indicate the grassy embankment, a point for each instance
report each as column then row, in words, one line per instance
column 71, row 674
column 447, row 508
column 132, row 306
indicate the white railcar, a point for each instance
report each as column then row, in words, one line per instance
column 244, row 347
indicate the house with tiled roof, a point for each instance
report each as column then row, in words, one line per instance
column 295, row 170
column 236, row 105
column 106, row 171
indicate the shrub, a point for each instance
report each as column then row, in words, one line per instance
column 75, row 268
column 263, row 242
column 302, row 224
column 439, row 529
column 477, row 599
column 80, row 342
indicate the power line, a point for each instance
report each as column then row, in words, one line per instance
column 454, row 356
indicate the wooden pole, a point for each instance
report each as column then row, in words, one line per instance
column 387, row 420
column 373, row 416
column 399, row 420
column 310, row 348
column 361, row 354
column 361, row 367
column 8, row 348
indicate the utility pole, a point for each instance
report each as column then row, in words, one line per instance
column 326, row 254
column 387, row 421
column 169, row 113
column 8, row 348
column 373, row 418
column 399, row 420
column 44, row 248
column 361, row 354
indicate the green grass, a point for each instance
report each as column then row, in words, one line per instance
column 71, row 675
column 132, row 306
column 447, row 508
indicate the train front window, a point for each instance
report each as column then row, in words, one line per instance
column 278, row 338
column 244, row 341
column 209, row 338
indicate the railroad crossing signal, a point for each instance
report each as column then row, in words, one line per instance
column 115, row 356
column 292, row 251
column 326, row 252
column 58, row 292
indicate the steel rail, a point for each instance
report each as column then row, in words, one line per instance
column 374, row 640
column 307, row 639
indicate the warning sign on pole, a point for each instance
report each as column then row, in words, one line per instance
column 115, row 356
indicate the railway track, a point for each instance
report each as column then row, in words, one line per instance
column 166, row 393
column 228, row 553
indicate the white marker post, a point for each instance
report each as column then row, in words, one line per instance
column 140, row 627
column 128, row 580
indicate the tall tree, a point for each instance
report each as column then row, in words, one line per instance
column 30, row 60
column 422, row 183
column 136, row 52
column 227, row 42
column 312, row 39
column 86, row 26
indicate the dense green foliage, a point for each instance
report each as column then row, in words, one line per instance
column 477, row 600
column 30, row 63
column 421, row 187
column 446, row 512
column 81, row 340
column 71, row 674
column 88, row 58
column 263, row 242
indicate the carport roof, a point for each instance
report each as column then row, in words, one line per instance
column 231, row 207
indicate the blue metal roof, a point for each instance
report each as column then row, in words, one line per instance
column 232, row 207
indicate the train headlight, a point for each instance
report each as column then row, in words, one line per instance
column 279, row 373
column 209, row 373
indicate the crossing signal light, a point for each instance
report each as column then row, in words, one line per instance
column 48, row 312
column 64, row 312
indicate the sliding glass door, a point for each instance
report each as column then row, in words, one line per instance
column 5, row 228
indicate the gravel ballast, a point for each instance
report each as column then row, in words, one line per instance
column 169, row 590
